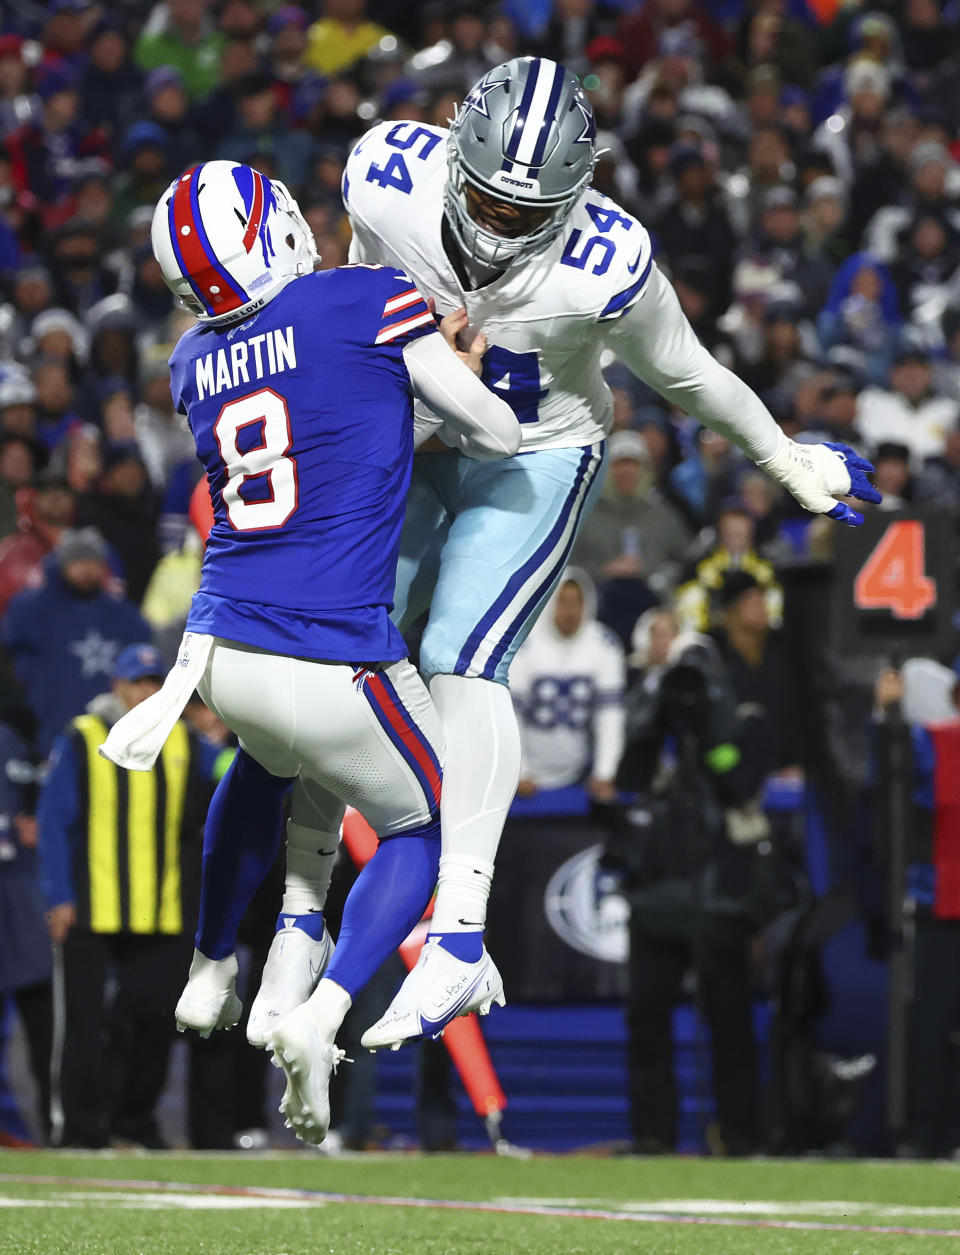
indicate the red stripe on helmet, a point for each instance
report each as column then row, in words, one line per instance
column 256, row 213
column 216, row 293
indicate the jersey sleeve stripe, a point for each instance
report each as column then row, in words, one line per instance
column 400, row 328
column 396, row 303
column 620, row 303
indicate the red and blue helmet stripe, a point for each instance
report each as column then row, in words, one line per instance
column 216, row 289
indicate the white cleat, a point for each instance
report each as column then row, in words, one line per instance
column 291, row 973
column 209, row 1000
column 438, row 989
column 308, row 1059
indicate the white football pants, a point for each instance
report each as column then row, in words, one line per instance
column 370, row 737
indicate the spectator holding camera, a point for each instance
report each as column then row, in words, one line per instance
column 689, row 849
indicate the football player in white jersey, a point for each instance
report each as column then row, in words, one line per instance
column 496, row 221
column 496, row 217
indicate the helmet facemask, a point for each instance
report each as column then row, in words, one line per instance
column 484, row 246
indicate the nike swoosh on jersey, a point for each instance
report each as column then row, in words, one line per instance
column 636, row 265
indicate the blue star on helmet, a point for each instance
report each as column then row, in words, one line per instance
column 476, row 99
column 589, row 133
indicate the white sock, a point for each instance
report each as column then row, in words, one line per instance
column 479, row 780
column 310, row 856
column 329, row 1004
column 463, row 887
column 219, row 973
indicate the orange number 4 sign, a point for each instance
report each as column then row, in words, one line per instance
column 893, row 577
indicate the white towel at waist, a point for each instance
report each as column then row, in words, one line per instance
column 135, row 740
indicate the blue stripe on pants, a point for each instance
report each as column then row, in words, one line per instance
column 532, row 564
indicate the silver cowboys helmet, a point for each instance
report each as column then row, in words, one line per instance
column 526, row 135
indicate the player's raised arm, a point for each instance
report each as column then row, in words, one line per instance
column 477, row 421
column 657, row 343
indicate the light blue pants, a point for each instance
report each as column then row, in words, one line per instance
column 483, row 546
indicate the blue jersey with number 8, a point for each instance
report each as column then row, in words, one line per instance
column 302, row 417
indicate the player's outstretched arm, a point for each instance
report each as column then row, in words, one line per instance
column 656, row 342
column 478, row 422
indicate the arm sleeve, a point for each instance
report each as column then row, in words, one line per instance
column 57, row 816
column 609, row 718
column 363, row 246
column 654, row 339
column 476, row 421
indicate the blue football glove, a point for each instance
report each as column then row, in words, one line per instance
column 858, row 469
column 817, row 474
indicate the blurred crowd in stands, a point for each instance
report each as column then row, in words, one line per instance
column 796, row 163
column 801, row 182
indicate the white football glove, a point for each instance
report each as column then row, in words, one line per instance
column 817, row 474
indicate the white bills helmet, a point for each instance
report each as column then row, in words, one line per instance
column 228, row 239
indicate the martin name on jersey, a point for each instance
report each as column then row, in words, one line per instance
column 544, row 318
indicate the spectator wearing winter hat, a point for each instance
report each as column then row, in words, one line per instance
column 634, row 540
column 862, row 312
column 730, row 546
column 767, row 38
column 851, row 136
column 928, row 257
column 45, row 510
column 57, row 410
column 180, row 34
column 58, row 333
column 930, row 169
column 124, row 511
column 18, row 404
column 763, row 674
column 146, row 168
column 162, row 436
column 18, row 103
column 779, row 237
column 642, row 30
column 261, row 130
column 287, row 34
column 76, row 256
column 784, row 359
column 63, row 636
column 111, row 83
column 32, row 291
column 694, row 221
column 67, row 29
column 908, row 411
column 825, row 207
column 20, row 460
column 168, row 105
column 45, row 150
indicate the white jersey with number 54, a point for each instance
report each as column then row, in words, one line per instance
column 546, row 319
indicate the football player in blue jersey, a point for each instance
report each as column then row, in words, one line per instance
column 496, row 221
column 298, row 388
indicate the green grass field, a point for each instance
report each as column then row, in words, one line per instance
column 303, row 1204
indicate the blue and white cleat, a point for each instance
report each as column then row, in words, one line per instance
column 438, row 989
column 309, row 1059
column 209, row 1000
column 291, row 973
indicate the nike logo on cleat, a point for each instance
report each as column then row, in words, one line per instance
column 471, row 923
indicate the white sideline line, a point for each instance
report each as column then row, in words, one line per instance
column 446, row 1204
